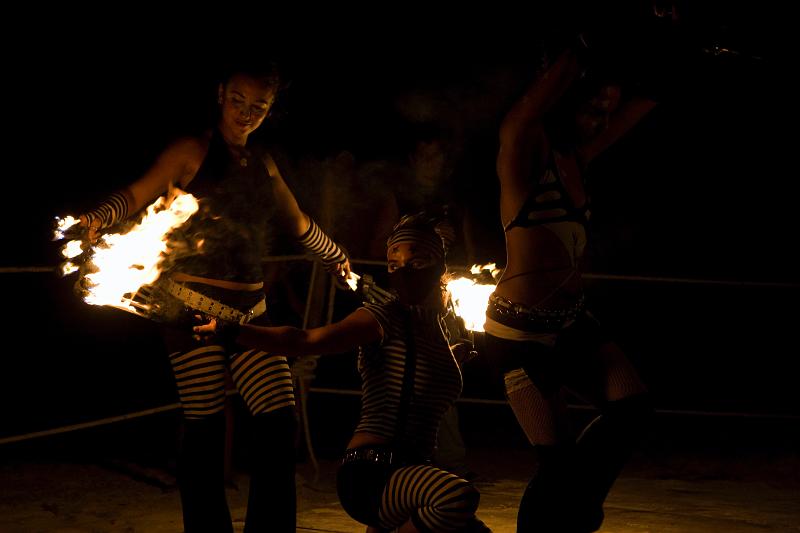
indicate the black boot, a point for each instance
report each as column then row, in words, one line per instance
column 201, row 476
column 272, row 500
column 547, row 505
column 602, row 451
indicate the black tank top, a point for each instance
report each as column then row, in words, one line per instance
column 230, row 234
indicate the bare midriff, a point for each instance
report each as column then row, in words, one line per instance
column 539, row 270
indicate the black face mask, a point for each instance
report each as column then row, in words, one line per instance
column 414, row 285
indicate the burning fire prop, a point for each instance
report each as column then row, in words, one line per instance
column 470, row 294
column 120, row 268
column 120, row 265
column 352, row 281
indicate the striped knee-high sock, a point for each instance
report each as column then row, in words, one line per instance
column 263, row 380
column 433, row 499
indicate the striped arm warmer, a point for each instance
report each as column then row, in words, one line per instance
column 316, row 242
column 114, row 209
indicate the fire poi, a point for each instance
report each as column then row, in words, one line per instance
column 120, row 266
column 470, row 294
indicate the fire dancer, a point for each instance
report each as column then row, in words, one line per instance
column 539, row 335
column 214, row 267
column 410, row 377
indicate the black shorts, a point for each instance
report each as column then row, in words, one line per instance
column 545, row 365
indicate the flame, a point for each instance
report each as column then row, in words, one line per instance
column 352, row 280
column 470, row 296
column 491, row 267
column 122, row 263
column 72, row 249
column 62, row 225
column 68, row 268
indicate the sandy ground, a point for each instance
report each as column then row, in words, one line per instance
column 72, row 497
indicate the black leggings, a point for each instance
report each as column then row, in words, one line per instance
column 271, row 503
column 264, row 382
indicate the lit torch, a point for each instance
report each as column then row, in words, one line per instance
column 470, row 294
column 120, row 264
column 352, row 280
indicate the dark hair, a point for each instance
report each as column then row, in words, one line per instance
column 265, row 71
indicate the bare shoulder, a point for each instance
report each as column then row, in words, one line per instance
column 269, row 163
column 190, row 148
column 190, row 153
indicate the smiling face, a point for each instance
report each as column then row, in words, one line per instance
column 245, row 102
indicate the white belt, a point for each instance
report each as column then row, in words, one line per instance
column 201, row 302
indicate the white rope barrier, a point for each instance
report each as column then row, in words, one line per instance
column 586, row 275
column 304, row 390
column 353, row 392
column 91, row 424
column 483, row 401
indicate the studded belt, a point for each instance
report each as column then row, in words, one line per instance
column 200, row 302
column 381, row 456
column 504, row 310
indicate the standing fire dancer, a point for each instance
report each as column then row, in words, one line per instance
column 539, row 335
column 214, row 267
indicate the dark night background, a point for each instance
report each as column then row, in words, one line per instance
column 704, row 188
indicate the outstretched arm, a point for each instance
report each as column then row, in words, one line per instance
column 358, row 328
column 305, row 230
column 176, row 165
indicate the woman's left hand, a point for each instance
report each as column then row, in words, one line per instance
column 340, row 273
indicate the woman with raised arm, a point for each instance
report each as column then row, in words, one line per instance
column 539, row 335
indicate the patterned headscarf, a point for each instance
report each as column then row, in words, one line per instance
column 425, row 231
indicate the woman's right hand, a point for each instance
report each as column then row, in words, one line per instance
column 216, row 331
